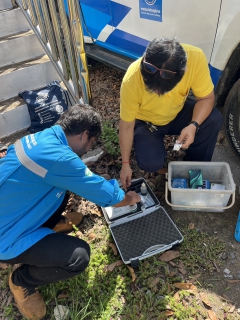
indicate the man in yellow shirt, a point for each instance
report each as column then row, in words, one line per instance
column 154, row 103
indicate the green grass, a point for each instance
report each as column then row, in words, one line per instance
column 109, row 138
column 97, row 294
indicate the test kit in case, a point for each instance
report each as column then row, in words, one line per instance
column 144, row 230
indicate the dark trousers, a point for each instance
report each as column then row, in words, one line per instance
column 149, row 146
column 55, row 257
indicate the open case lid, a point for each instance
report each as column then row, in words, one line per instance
column 142, row 233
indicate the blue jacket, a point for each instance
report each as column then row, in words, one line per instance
column 34, row 177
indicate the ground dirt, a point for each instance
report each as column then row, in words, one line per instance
column 222, row 285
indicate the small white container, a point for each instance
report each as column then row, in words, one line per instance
column 200, row 199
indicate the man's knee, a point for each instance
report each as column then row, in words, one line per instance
column 80, row 259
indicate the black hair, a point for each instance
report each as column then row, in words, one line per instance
column 79, row 118
column 166, row 54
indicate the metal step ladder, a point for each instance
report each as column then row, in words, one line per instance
column 23, row 66
column 57, row 24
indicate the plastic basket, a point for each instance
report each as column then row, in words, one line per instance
column 207, row 200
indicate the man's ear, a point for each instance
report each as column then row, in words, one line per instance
column 85, row 134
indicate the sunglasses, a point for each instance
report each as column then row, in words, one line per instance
column 150, row 68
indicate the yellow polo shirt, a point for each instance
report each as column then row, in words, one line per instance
column 137, row 103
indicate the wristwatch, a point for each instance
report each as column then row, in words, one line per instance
column 196, row 125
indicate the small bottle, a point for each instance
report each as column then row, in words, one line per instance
column 143, row 189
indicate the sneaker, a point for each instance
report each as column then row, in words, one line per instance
column 29, row 301
column 67, row 221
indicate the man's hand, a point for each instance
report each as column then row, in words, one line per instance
column 134, row 197
column 187, row 136
column 131, row 197
column 201, row 111
column 126, row 176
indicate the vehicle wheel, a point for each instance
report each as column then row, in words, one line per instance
column 231, row 114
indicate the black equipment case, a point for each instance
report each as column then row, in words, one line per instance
column 142, row 231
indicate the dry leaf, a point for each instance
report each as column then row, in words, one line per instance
column 123, row 299
column 63, row 295
column 204, row 299
column 169, row 255
column 185, row 286
column 167, row 313
column 132, row 273
column 191, row 226
column 99, row 213
column 172, row 274
column 232, row 309
column 215, row 265
column 183, row 271
column 114, row 248
column 154, row 282
column 197, row 276
column 111, row 267
column 155, row 289
column 110, row 162
column 79, row 234
column 169, row 287
column 172, row 263
column 212, row 315
column 92, row 236
column 3, row 265
column 177, row 296
column 180, row 265
column 99, row 222
column 232, row 281
column 184, row 303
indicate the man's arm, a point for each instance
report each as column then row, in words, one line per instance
column 201, row 111
column 126, row 132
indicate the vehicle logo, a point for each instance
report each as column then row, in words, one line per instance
column 150, row 2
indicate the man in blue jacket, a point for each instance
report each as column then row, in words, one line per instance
column 35, row 175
